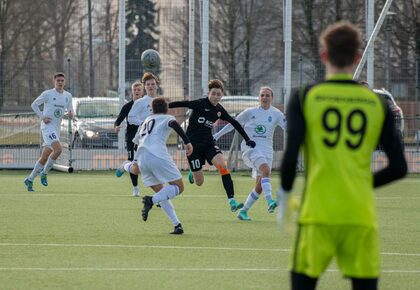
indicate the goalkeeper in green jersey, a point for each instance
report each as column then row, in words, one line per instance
column 338, row 123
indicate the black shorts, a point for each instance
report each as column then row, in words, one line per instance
column 201, row 153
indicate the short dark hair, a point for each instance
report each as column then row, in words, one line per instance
column 59, row 74
column 148, row 76
column 159, row 105
column 216, row 84
column 342, row 41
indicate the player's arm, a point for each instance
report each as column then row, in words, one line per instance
column 122, row 115
column 281, row 121
column 295, row 134
column 181, row 104
column 70, row 110
column 225, row 116
column 35, row 107
column 177, row 128
column 392, row 145
column 229, row 127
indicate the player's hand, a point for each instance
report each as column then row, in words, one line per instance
column 287, row 204
column 251, row 143
column 70, row 115
column 188, row 149
column 117, row 129
column 46, row 120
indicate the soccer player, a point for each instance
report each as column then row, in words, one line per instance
column 205, row 112
column 142, row 108
column 338, row 122
column 137, row 92
column 259, row 123
column 56, row 102
column 157, row 165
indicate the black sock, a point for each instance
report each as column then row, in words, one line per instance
column 364, row 284
column 302, row 282
column 228, row 185
column 134, row 179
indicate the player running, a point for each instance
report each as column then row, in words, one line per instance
column 259, row 123
column 156, row 164
column 205, row 112
column 56, row 103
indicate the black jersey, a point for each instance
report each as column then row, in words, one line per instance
column 131, row 128
column 203, row 116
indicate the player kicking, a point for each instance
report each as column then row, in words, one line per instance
column 259, row 123
column 56, row 102
column 156, row 164
column 205, row 112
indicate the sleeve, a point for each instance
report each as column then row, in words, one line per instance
column 295, row 136
column 123, row 113
column 281, row 121
column 225, row 116
column 229, row 127
column 38, row 102
column 70, row 104
column 393, row 147
column 174, row 125
column 181, row 104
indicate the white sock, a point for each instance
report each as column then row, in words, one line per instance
column 266, row 186
column 127, row 166
column 36, row 171
column 48, row 165
column 169, row 209
column 167, row 192
column 252, row 198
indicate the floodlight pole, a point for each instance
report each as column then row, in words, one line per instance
column 121, row 65
column 91, row 71
column 191, row 49
column 205, row 47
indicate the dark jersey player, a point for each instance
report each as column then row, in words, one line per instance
column 205, row 112
column 137, row 92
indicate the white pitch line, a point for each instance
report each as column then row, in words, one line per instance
column 61, row 195
column 87, row 269
column 174, row 248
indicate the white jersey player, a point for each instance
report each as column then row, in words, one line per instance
column 56, row 102
column 259, row 123
column 156, row 164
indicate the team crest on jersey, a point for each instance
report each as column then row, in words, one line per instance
column 270, row 119
column 260, row 129
column 57, row 113
column 219, row 114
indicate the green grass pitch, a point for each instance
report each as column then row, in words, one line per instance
column 84, row 231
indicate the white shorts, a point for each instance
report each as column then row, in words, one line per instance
column 254, row 158
column 50, row 135
column 155, row 170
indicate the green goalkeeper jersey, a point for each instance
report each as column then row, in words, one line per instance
column 343, row 125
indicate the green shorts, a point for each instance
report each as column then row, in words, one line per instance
column 356, row 249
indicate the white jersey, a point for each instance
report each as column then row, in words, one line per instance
column 141, row 109
column 259, row 124
column 153, row 135
column 55, row 105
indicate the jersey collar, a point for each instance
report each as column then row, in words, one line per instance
column 340, row 77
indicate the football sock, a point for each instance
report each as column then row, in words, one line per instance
column 36, row 171
column 134, row 179
column 266, row 186
column 228, row 185
column 48, row 165
column 167, row 192
column 127, row 166
column 362, row 284
column 251, row 199
column 169, row 209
